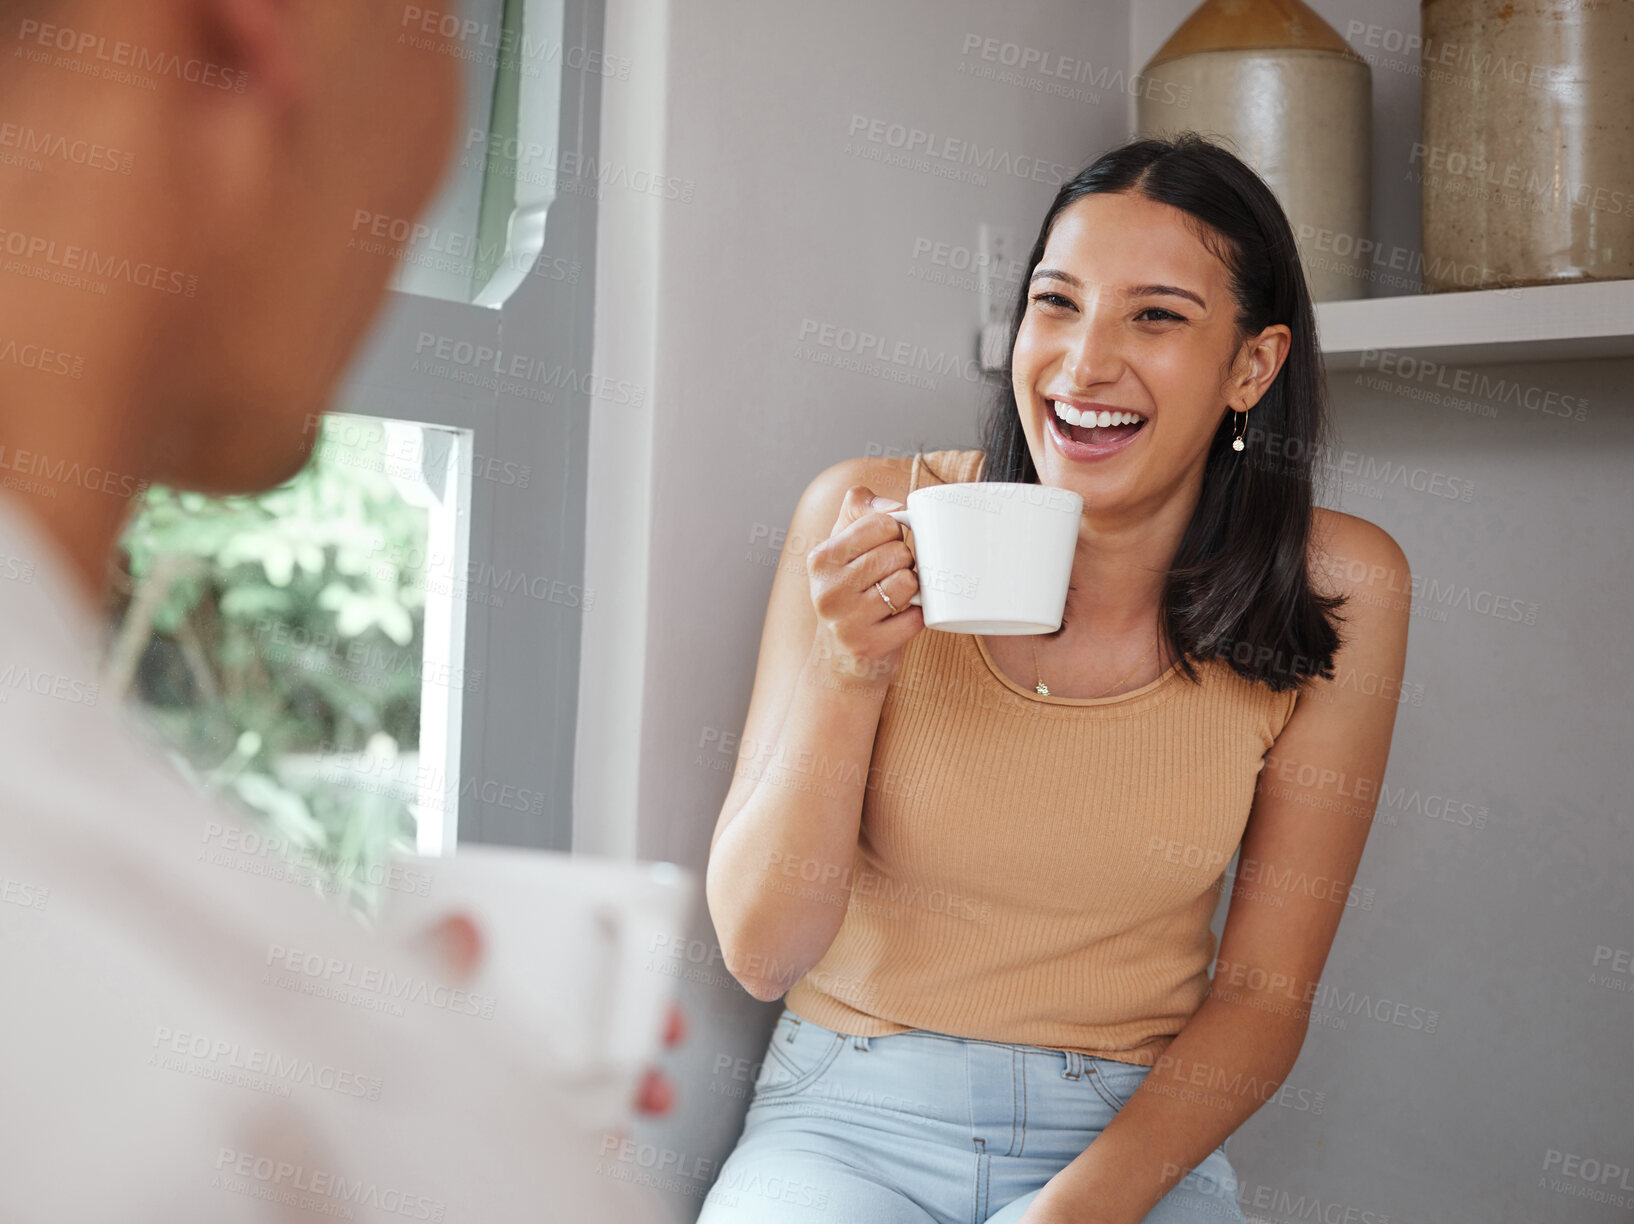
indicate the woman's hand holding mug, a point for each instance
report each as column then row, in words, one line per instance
column 858, row 633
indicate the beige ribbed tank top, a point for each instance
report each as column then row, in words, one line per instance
column 1040, row 870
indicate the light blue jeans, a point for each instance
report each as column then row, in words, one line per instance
column 924, row 1128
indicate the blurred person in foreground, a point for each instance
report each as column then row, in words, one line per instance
column 178, row 182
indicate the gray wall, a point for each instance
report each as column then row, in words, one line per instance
column 1501, row 860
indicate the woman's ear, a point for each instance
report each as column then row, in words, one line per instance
column 1258, row 363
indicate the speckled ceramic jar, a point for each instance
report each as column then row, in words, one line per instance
column 1527, row 157
column 1288, row 96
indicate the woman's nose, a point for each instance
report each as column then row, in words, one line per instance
column 1095, row 355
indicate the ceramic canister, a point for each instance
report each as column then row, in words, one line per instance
column 1527, row 159
column 1278, row 86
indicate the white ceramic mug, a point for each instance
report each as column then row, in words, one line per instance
column 992, row 557
column 576, row 955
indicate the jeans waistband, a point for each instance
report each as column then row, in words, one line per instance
column 1074, row 1061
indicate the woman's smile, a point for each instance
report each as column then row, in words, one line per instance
column 1084, row 431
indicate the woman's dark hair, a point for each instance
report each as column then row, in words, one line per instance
column 1239, row 588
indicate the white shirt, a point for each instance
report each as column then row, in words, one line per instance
column 184, row 1036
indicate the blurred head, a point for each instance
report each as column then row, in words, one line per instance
column 241, row 142
column 1165, row 282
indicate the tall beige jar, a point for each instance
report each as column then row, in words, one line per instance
column 1277, row 85
column 1527, row 158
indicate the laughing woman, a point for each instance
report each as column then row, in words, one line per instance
column 984, row 869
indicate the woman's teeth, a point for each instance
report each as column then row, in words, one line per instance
column 1096, row 428
column 1089, row 420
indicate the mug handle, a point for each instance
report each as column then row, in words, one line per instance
column 901, row 516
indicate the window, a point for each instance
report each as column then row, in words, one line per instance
column 302, row 650
column 382, row 655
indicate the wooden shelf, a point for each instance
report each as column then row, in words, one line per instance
column 1538, row 323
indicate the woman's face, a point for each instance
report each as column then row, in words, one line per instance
column 1129, row 312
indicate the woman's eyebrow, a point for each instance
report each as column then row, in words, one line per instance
column 1166, row 291
column 1056, row 274
column 1133, row 290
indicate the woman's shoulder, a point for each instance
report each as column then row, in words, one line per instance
column 1348, row 553
column 896, row 475
column 886, row 475
column 950, row 466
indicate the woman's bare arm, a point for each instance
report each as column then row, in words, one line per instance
column 779, row 875
column 1312, row 810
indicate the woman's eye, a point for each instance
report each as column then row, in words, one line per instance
column 1164, row 316
column 1052, row 299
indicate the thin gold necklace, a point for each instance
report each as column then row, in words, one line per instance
column 1043, row 690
